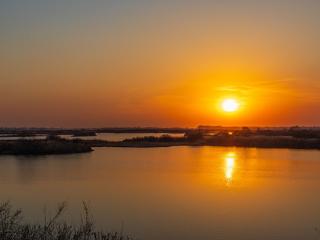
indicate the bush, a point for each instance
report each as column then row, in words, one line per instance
column 12, row 227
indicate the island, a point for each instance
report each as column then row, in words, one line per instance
column 294, row 137
column 42, row 147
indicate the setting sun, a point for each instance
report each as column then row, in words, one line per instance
column 230, row 105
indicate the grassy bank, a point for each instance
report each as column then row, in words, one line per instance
column 237, row 141
column 56, row 145
column 13, row 227
column 43, row 147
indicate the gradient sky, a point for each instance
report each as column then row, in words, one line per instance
column 77, row 63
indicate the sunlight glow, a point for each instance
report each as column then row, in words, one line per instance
column 230, row 105
column 229, row 166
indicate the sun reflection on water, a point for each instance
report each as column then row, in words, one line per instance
column 229, row 166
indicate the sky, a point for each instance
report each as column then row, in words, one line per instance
column 77, row 63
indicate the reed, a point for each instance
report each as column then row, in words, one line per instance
column 12, row 227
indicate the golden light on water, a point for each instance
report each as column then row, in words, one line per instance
column 229, row 166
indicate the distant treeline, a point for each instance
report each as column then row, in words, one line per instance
column 163, row 138
column 85, row 131
column 240, row 139
column 264, row 142
column 244, row 137
column 293, row 132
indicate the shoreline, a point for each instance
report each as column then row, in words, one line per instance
column 222, row 141
column 55, row 145
column 42, row 147
column 165, row 145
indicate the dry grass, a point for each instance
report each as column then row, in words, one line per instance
column 12, row 227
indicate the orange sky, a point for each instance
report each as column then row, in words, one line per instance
column 159, row 63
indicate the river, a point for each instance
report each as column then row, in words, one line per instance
column 176, row 192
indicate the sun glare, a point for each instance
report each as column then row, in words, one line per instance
column 229, row 166
column 230, row 105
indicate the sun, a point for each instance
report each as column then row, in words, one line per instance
column 230, row 105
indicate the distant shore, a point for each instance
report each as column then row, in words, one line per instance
column 42, row 147
column 257, row 142
column 291, row 138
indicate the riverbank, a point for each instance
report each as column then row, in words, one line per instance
column 58, row 145
column 42, row 147
column 226, row 141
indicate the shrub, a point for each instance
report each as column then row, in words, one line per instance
column 13, row 228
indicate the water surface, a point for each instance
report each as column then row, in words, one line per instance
column 177, row 192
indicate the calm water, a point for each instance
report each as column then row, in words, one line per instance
column 176, row 193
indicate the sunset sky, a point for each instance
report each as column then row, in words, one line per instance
column 80, row 63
